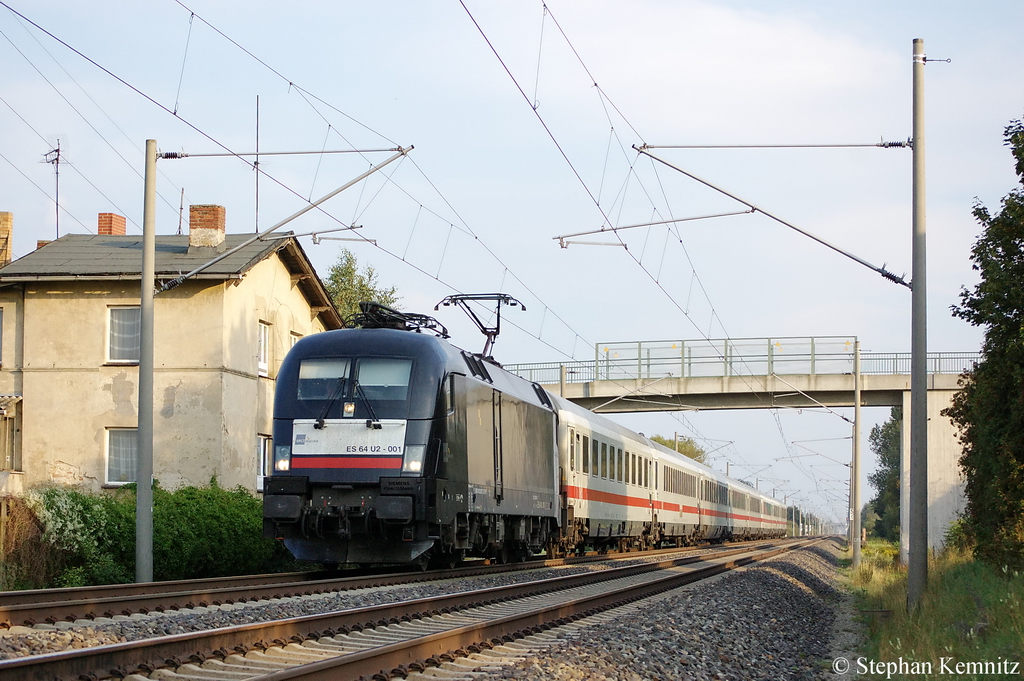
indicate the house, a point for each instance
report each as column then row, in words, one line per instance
column 69, row 349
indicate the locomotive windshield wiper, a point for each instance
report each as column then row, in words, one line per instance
column 373, row 421
column 332, row 398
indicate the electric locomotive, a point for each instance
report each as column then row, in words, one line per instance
column 393, row 446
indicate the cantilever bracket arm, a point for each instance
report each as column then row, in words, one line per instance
column 177, row 281
column 881, row 270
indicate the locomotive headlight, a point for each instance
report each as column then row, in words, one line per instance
column 349, row 410
column 282, row 458
column 413, row 460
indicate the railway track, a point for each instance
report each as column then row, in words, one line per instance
column 103, row 603
column 384, row 641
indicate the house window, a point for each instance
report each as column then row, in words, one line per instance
column 124, row 332
column 122, row 455
column 295, row 338
column 264, row 459
column 263, row 350
column 10, row 459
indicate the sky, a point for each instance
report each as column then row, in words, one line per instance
column 522, row 119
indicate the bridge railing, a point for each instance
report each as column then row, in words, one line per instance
column 734, row 357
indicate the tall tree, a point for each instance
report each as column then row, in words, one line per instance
column 687, row 447
column 884, row 441
column 348, row 286
column 989, row 407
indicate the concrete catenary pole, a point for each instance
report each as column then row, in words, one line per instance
column 917, row 557
column 856, row 453
column 144, row 469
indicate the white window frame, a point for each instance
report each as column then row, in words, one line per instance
column 263, row 349
column 106, row 456
column 295, row 338
column 110, row 315
column 264, row 458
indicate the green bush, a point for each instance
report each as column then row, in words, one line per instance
column 197, row 532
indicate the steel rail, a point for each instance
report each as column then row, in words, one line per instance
column 72, row 604
column 120, row 659
column 387, row 661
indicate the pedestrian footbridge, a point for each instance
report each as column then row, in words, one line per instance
column 772, row 373
column 738, row 373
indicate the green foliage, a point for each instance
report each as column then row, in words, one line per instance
column 208, row 532
column 969, row 611
column 868, row 518
column 989, row 407
column 85, row 534
column 884, row 441
column 687, row 447
column 348, row 286
column 197, row 532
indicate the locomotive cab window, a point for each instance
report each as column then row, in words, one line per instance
column 322, row 379
column 448, row 390
column 384, row 378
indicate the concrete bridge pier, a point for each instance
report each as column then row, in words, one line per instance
column 945, row 481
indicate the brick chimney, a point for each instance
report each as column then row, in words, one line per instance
column 111, row 224
column 206, row 225
column 6, row 236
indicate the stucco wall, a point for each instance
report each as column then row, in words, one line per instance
column 210, row 402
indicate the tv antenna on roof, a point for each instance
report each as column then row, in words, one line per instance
column 463, row 299
column 53, row 157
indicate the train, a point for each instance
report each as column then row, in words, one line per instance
column 393, row 446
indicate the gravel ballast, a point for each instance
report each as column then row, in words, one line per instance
column 773, row 620
column 770, row 621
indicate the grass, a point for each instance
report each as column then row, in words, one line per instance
column 970, row 613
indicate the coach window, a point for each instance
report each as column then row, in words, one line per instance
column 647, row 481
column 634, row 468
column 604, row 459
column 595, row 458
column 618, row 465
column 572, row 449
column 586, row 455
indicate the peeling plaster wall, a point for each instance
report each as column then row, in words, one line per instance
column 210, row 402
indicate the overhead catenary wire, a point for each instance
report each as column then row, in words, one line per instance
column 102, row 110
column 572, row 167
column 184, row 59
column 880, row 270
column 307, row 95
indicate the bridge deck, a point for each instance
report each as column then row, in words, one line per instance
column 751, row 373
